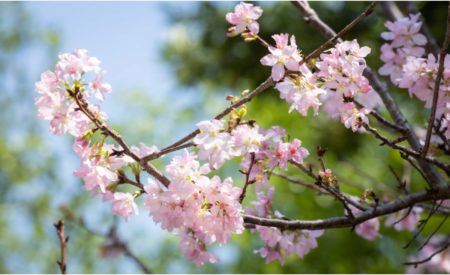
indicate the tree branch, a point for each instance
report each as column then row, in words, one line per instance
column 437, row 84
column 112, row 236
column 84, row 107
column 341, row 222
column 63, row 240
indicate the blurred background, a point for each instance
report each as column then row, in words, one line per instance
column 170, row 66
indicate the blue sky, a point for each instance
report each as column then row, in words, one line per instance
column 126, row 37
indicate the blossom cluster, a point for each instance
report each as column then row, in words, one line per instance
column 217, row 144
column 408, row 68
column 336, row 79
column 76, row 82
column 203, row 210
column 405, row 41
column 278, row 244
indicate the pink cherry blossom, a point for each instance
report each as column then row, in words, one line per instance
column 244, row 17
column 98, row 87
column 439, row 263
column 368, row 229
column 143, row 150
column 246, row 139
column 282, row 56
column 306, row 241
column 72, row 66
column 301, row 94
column 405, row 32
column 213, row 142
column 405, row 42
column 354, row 118
column 263, row 202
column 124, row 205
column 401, row 221
column 194, row 249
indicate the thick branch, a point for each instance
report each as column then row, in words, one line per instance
column 340, row 222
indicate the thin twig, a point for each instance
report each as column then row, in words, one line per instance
column 333, row 39
column 302, row 183
column 416, row 263
column 63, row 240
column 434, row 232
column 423, row 223
column 380, row 118
column 330, row 190
column 247, row 177
column 167, row 150
column 111, row 236
column 394, row 144
column 437, row 84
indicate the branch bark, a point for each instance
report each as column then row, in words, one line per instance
column 344, row 221
column 62, row 263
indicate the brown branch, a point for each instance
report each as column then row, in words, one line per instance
column 344, row 221
column 123, row 179
column 434, row 231
column 434, row 179
column 437, row 84
column 166, row 151
column 408, row 152
column 381, row 119
column 63, row 240
column 416, row 263
column 423, row 223
column 335, row 37
column 302, row 183
column 329, row 190
column 247, row 177
column 310, row 16
column 84, row 107
column 111, row 236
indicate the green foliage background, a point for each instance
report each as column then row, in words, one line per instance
column 206, row 61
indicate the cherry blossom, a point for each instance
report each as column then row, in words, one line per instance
column 282, row 56
column 368, row 229
column 403, row 220
column 246, row 139
column 301, row 93
column 124, row 205
column 437, row 264
column 405, row 41
column 244, row 17
column 213, row 142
